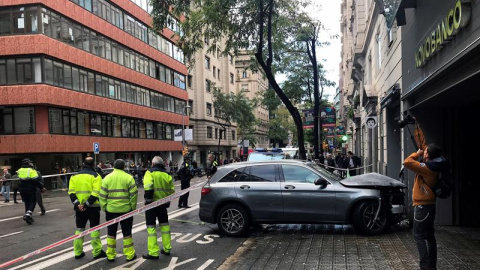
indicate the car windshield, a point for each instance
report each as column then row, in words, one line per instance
column 265, row 156
column 325, row 173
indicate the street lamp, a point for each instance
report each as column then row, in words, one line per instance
column 184, row 143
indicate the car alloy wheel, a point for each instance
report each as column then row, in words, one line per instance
column 233, row 220
column 366, row 220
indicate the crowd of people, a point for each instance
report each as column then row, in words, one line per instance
column 341, row 164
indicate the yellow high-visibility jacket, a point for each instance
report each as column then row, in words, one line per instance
column 84, row 188
column 158, row 184
column 118, row 193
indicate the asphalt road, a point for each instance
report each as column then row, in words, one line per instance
column 194, row 245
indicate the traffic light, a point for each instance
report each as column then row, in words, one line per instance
column 344, row 138
column 185, row 151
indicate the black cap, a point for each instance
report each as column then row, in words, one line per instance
column 26, row 161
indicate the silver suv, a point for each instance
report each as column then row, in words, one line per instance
column 298, row 192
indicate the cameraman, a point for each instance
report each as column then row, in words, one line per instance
column 426, row 177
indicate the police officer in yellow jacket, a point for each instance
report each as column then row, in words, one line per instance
column 84, row 189
column 29, row 182
column 118, row 196
column 158, row 185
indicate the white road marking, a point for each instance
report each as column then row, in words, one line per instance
column 10, row 234
column 88, row 247
column 94, row 262
column 207, row 263
column 7, row 219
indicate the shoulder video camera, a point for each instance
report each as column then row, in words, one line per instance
column 407, row 121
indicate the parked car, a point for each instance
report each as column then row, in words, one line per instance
column 298, row 192
column 261, row 154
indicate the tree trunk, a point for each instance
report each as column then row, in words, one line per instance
column 297, row 119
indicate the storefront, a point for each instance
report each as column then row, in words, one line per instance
column 441, row 74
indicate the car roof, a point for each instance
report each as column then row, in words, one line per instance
column 283, row 161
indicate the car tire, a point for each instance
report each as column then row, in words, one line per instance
column 364, row 218
column 233, row 220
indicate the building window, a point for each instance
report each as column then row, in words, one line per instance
column 190, row 103
column 207, row 62
column 230, row 59
column 209, row 109
column 209, row 132
column 244, row 74
column 189, row 81
column 208, row 85
column 206, row 40
column 218, row 76
column 17, row 120
column 214, row 71
column 216, row 133
column 233, row 134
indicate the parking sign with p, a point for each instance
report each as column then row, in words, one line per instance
column 96, row 148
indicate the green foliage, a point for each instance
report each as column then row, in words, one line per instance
column 269, row 29
column 281, row 125
column 235, row 108
column 270, row 100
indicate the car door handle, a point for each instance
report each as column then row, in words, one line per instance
column 289, row 187
column 245, row 187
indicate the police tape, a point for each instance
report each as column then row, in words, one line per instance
column 3, row 179
column 101, row 226
column 345, row 169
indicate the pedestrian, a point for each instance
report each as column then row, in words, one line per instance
column 185, row 176
column 140, row 174
column 84, row 188
column 158, row 185
column 64, row 179
column 99, row 169
column 29, row 182
column 39, row 195
column 211, row 166
column 6, row 184
column 423, row 197
column 69, row 170
column 353, row 163
column 330, row 163
column 118, row 196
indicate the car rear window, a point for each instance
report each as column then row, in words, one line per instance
column 260, row 173
column 234, row 176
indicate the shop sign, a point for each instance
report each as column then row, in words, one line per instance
column 456, row 18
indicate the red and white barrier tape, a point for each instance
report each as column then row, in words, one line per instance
column 101, row 226
column 3, row 179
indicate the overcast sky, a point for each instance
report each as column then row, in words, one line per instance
column 329, row 15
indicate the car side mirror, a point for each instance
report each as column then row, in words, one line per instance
column 321, row 182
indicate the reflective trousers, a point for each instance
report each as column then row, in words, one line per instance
column 92, row 214
column 151, row 216
column 126, row 225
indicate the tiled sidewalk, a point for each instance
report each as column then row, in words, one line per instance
column 338, row 247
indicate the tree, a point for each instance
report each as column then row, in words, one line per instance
column 281, row 125
column 265, row 27
column 234, row 108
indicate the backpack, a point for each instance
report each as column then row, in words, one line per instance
column 443, row 188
